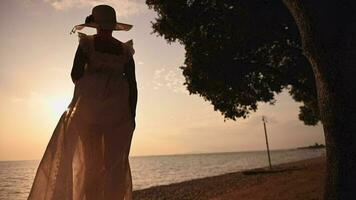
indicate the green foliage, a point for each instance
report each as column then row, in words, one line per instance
column 238, row 53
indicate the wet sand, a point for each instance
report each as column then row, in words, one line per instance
column 302, row 180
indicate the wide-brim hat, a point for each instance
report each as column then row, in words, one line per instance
column 103, row 17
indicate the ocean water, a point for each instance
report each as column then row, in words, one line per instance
column 16, row 177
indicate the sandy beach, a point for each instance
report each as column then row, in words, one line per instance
column 302, row 180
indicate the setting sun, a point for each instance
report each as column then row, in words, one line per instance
column 58, row 105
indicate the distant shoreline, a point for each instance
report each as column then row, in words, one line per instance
column 307, row 175
column 314, row 146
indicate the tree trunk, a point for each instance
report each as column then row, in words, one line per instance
column 328, row 33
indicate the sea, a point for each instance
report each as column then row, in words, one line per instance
column 16, row 177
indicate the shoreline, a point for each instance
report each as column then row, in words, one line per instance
column 295, row 180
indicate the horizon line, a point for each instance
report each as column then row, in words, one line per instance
column 184, row 154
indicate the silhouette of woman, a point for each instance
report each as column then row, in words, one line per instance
column 87, row 155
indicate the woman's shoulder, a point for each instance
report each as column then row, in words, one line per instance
column 83, row 36
column 84, row 40
column 128, row 46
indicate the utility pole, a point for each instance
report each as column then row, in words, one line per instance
column 264, row 126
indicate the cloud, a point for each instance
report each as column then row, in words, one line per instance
column 171, row 79
column 58, row 69
column 16, row 99
column 124, row 8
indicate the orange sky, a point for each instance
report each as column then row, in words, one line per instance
column 36, row 57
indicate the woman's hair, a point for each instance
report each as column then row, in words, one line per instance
column 89, row 19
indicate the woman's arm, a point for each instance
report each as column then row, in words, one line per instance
column 131, row 77
column 78, row 64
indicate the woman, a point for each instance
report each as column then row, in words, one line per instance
column 87, row 155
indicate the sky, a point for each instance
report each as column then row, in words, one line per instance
column 36, row 57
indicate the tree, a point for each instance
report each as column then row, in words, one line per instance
column 239, row 53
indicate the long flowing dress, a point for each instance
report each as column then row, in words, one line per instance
column 87, row 155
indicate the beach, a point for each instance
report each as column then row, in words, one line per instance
column 301, row 180
column 174, row 171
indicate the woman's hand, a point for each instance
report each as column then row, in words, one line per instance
column 133, row 118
